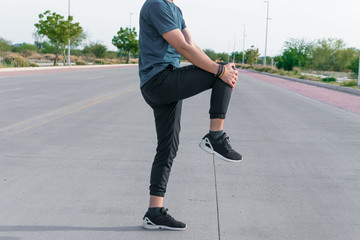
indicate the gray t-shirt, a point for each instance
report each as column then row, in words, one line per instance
column 157, row 17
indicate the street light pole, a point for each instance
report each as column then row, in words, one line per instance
column 130, row 18
column 69, row 39
column 130, row 31
column 229, row 52
column 234, row 49
column 243, row 55
column 359, row 74
column 267, row 27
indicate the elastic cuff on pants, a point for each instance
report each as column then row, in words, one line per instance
column 217, row 115
column 158, row 194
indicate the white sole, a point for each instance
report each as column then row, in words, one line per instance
column 147, row 224
column 203, row 146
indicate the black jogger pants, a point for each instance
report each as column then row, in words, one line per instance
column 164, row 93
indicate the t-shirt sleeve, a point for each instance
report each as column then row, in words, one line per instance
column 162, row 18
column 183, row 25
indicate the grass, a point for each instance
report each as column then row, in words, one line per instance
column 4, row 66
column 308, row 75
column 350, row 83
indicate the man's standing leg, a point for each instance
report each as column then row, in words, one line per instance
column 167, row 121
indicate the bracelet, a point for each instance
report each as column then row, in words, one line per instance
column 223, row 72
column 220, row 70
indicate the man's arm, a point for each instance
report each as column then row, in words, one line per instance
column 183, row 44
column 189, row 39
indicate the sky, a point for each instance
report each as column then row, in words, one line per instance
column 214, row 24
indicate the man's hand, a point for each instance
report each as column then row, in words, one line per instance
column 231, row 75
column 183, row 44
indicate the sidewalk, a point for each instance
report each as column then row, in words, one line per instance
column 309, row 82
column 333, row 97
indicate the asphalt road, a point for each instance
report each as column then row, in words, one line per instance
column 76, row 150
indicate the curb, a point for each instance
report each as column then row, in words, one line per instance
column 318, row 84
column 2, row 70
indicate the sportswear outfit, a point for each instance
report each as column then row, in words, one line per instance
column 164, row 84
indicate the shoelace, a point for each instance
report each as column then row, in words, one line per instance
column 227, row 144
column 167, row 215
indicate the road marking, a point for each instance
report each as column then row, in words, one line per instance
column 40, row 120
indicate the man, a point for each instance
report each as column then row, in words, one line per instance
column 163, row 37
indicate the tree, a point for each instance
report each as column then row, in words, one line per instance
column 354, row 64
column 238, row 57
column 344, row 58
column 47, row 47
column 24, row 49
column 97, row 49
column 222, row 57
column 4, row 45
column 324, row 54
column 126, row 40
column 59, row 31
column 39, row 41
column 296, row 53
column 251, row 55
column 211, row 54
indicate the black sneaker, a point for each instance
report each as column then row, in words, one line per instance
column 162, row 221
column 220, row 147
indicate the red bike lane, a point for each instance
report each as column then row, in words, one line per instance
column 342, row 100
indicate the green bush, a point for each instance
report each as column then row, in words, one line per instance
column 100, row 61
column 350, row 83
column 310, row 77
column 267, row 69
column 313, row 78
column 329, row 79
column 274, row 70
column 99, row 50
column 47, row 48
column 33, row 65
column 111, row 54
column 4, row 45
column 76, row 52
column 81, row 62
column 15, row 60
column 24, row 47
column 296, row 71
column 354, row 65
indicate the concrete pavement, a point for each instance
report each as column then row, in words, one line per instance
column 76, row 151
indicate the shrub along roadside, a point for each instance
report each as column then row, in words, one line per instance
column 15, row 60
column 329, row 79
column 296, row 73
column 350, row 83
column 81, row 62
